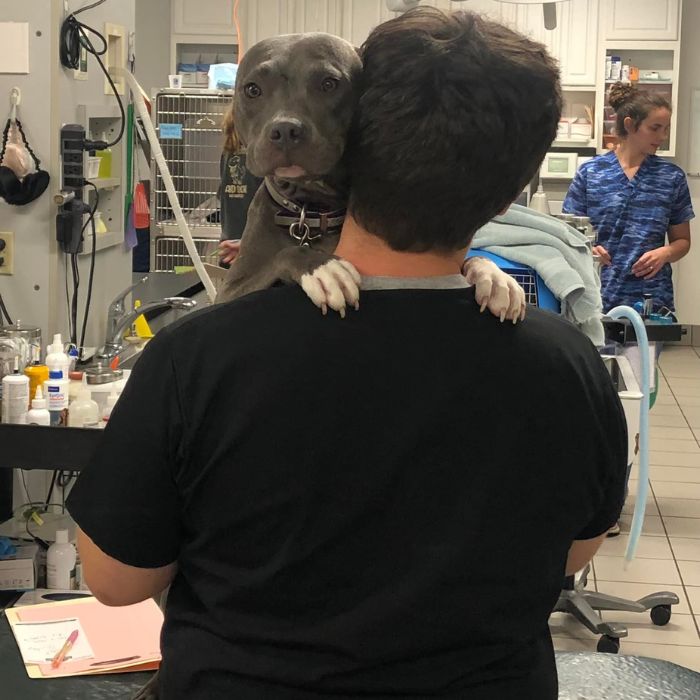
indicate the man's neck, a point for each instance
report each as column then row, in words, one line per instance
column 373, row 257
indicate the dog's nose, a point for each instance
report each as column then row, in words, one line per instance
column 286, row 132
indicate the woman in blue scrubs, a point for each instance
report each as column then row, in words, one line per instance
column 635, row 200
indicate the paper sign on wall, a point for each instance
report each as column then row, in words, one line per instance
column 14, row 47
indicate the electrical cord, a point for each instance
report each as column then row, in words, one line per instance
column 90, row 222
column 75, row 270
column 4, row 312
column 91, row 276
column 73, row 37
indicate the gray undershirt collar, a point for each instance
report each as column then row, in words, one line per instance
column 439, row 282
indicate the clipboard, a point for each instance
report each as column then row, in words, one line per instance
column 120, row 640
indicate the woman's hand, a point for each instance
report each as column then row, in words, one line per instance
column 603, row 254
column 650, row 263
column 228, row 250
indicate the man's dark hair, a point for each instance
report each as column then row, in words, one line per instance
column 455, row 115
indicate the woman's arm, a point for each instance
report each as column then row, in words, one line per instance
column 678, row 245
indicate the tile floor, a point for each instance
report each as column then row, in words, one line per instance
column 668, row 557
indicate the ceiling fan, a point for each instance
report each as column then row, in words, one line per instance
column 549, row 8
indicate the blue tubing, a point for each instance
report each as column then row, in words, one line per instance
column 643, row 485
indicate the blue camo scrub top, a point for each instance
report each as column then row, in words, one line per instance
column 632, row 217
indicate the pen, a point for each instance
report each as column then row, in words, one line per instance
column 67, row 646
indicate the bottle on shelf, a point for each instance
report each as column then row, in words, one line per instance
column 60, row 563
column 15, row 395
column 38, row 414
column 37, row 372
column 83, row 412
column 56, row 388
column 105, row 160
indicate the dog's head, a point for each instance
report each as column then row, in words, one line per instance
column 293, row 105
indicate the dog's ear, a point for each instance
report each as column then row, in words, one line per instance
column 233, row 142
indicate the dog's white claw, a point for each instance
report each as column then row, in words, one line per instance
column 334, row 284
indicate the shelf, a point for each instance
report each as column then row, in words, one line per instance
column 643, row 82
column 104, row 240
column 574, row 143
column 43, row 447
column 105, row 183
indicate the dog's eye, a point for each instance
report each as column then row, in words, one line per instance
column 329, row 84
column 252, row 90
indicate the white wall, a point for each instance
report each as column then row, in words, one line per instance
column 688, row 270
column 153, row 30
column 50, row 98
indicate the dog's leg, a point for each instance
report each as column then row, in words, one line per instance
column 495, row 289
column 327, row 280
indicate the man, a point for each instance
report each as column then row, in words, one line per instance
column 383, row 505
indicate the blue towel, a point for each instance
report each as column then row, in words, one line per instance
column 558, row 253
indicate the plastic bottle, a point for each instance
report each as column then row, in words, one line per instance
column 60, row 563
column 539, row 201
column 111, row 402
column 100, row 226
column 83, row 412
column 56, row 358
column 105, row 160
column 56, row 388
column 625, row 73
column 38, row 414
column 15, row 396
column 37, row 372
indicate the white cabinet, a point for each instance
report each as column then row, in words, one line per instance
column 266, row 18
column 651, row 20
column 318, row 16
column 359, row 17
column 203, row 17
column 578, row 42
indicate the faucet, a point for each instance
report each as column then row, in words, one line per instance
column 118, row 319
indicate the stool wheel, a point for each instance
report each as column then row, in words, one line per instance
column 660, row 615
column 608, row 645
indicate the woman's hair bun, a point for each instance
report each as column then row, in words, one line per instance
column 619, row 94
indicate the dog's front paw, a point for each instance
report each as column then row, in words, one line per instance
column 495, row 290
column 336, row 283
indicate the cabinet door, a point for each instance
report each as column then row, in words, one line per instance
column 203, row 17
column 359, row 17
column 577, row 52
column 318, row 16
column 655, row 20
column 266, row 18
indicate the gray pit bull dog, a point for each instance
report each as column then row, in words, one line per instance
column 292, row 109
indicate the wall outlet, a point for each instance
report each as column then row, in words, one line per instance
column 7, row 253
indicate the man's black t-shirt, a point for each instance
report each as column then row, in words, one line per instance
column 377, row 506
column 236, row 192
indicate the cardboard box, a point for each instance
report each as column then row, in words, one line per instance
column 19, row 572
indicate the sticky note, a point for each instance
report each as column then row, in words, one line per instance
column 170, row 131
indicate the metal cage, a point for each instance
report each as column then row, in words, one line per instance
column 188, row 123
